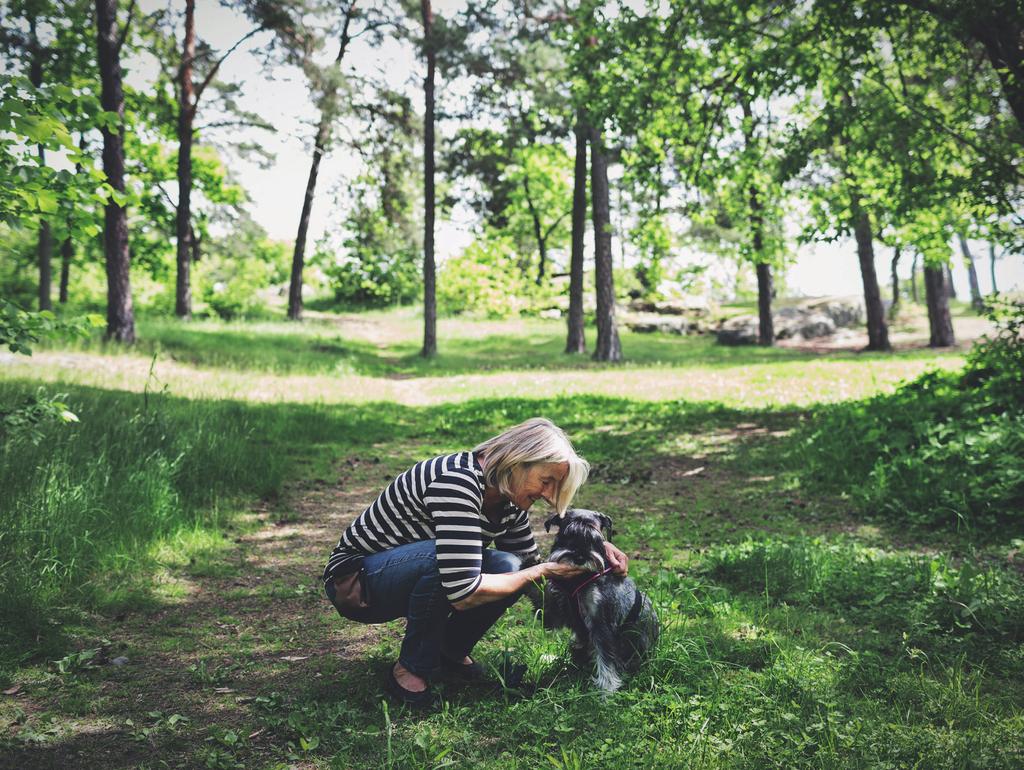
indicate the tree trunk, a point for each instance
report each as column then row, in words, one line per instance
column 186, row 116
column 972, row 274
column 67, row 253
column 120, row 315
column 299, row 254
column 765, row 325
column 893, row 265
column 328, row 112
column 608, row 347
column 429, row 288
column 913, row 278
column 878, row 332
column 950, row 288
column 992, row 266
column 44, row 246
column 575, row 340
column 538, row 231
column 44, row 252
column 937, row 296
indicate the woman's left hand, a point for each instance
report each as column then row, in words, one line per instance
column 616, row 559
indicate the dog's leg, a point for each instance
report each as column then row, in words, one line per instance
column 606, row 673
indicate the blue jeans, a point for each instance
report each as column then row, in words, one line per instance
column 403, row 582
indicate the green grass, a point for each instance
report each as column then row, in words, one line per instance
column 796, row 631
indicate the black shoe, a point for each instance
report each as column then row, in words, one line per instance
column 423, row 699
column 509, row 674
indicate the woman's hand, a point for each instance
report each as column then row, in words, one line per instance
column 618, row 561
column 561, row 570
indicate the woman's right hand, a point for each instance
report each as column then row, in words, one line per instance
column 561, row 570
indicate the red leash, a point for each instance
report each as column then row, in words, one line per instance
column 584, row 584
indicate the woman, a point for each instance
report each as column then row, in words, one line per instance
column 419, row 551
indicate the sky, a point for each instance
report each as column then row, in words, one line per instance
column 276, row 191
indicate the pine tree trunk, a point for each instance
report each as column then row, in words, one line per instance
column 67, row 253
column 575, row 340
column 972, row 274
column 44, row 246
column 878, row 332
column 429, row 278
column 538, row 231
column 120, row 314
column 913, row 278
column 328, row 112
column 299, row 254
column 992, row 266
column 940, row 323
column 893, row 266
column 950, row 288
column 186, row 115
column 44, row 252
column 765, row 325
column 608, row 347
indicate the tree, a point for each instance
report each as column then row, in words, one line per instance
column 607, row 347
column 189, row 96
column 940, row 323
column 429, row 50
column 972, row 274
column 575, row 339
column 327, row 84
column 120, row 314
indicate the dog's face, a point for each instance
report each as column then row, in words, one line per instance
column 579, row 540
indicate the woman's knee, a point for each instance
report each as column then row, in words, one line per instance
column 495, row 561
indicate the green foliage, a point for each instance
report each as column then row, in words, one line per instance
column 487, row 279
column 231, row 288
column 945, row 450
column 929, row 600
column 21, row 328
column 82, row 505
column 34, row 118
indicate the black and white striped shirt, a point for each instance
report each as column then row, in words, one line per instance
column 438, row 499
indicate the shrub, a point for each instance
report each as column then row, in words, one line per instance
column 487, row 279
column 944, row 450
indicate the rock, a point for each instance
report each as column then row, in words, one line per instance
column 120, row 660
column 552, row 313
column 816, row 325
column 741, row 330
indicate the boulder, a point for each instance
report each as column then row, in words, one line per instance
column 741, row 330
column 816, row 325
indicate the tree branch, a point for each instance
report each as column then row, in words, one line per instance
column 124, row 30
column 216, row 66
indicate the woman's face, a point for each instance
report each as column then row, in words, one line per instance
column 540, row 481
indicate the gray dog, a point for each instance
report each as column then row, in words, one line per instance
column 613, row 623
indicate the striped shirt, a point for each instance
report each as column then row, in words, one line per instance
column 438, row 499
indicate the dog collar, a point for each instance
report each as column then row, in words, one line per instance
column 589, row 580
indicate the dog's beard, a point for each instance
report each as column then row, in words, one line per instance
column 591, row 560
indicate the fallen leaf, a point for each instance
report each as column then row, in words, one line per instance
column 695, row 471
column 253, row 735
column 294, row 657
column 13, row 690
column 222, row 689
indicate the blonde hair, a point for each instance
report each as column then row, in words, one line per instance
column 509, row 455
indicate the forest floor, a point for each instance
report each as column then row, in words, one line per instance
column 227, row 655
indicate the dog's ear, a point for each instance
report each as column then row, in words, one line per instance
column 606, row 523
column 556, row 520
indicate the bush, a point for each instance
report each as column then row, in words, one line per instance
column 232, row 289
column 944, row 450
column 487, row 279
